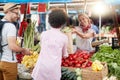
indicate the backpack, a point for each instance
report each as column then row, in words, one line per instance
column 1, row 46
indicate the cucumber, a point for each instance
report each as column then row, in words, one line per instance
column 71, row 75
column 75, row 78
column 64, row 69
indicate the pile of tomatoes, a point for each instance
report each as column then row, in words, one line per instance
column 80, row 59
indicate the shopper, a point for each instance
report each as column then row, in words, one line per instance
column 85, row 33
column 95, row 28
column 53, row 47
column 8, row 61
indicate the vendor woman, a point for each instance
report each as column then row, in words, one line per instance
column 84, row 33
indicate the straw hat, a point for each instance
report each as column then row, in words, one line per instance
column 9, row 6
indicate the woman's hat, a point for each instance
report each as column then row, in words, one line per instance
column 9, row 6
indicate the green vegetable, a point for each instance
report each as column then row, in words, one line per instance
column 29, row 36
column 112, row 57
column 79, row 78
column 68, row 74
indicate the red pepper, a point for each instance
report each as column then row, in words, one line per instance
column 19, row 57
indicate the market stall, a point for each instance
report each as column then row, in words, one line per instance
column 103, row 64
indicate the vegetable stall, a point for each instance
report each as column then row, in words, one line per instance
column 103, row 64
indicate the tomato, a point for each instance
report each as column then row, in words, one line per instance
column 86, row 56
column 78, row 65
column 74, row 56
column 70, row 63
column 88, row 64
column 83, row 61
column 63, row 59
column 70, row 58
column 83, row 66
column 76, row 61
column 80, row 62
column 80, row 55
column 66, row 61
column 63, row 63
column 66, row 65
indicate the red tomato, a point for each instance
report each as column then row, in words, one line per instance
column 78, row 65
column 70, row 63
column 83, row 66
column 83, row 61
column 66, row 65
column 88, row 64
column 63, row 59
column 86, row 56
column 66, row 61
column 81, row 55
column 75, row 56
column 80, row 62
column 70, row 58
column 76, row 61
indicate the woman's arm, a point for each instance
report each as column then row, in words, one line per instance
column 84, row 35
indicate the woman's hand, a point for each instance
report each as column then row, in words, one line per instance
column 74, row 30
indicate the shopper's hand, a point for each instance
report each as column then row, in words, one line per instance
column 26, row 51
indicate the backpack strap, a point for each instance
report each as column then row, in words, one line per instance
column 1, row 46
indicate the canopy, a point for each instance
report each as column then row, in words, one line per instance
column 113, row 2
column 26, row 1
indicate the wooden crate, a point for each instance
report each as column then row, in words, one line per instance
column 96, row 43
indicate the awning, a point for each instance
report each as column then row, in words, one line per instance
column 112, row 2
column 26, row 1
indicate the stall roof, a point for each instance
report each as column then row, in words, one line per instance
column 113, row 2
column 26, row 1
column 70, row 4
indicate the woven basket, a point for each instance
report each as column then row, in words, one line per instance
column 89, row 74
